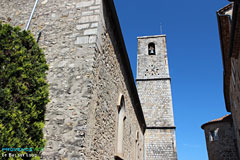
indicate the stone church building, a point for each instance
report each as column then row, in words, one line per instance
column 96, row 110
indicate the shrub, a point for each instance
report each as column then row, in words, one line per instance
column 23, row 91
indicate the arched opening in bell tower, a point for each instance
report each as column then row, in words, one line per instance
column 151, row 49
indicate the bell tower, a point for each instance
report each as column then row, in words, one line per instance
column 154, row 89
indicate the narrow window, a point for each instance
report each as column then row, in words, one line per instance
column 210, row 137
column 120, row 129
column 213, row 135
column 151, row 49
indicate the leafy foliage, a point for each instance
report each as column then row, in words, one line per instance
column 23, row 91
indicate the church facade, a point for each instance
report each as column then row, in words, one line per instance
column 96, row 111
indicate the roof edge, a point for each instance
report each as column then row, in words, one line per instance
column 225, row 8
column 152, row 36
column 220, row 16
column 225, row 118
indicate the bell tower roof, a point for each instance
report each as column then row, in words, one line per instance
column 152, row 36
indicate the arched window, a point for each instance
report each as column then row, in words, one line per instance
column 120, row 127
column 151, row 49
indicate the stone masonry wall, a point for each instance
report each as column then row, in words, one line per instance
column 86, row 78
column 224, row 148
column 160, row 144
column 152, row 66
column 111, row 82
column 153, row 82
column 156, row 100
column 154, row 89
column 110, row 85
column 69, row 31
column 235, row 98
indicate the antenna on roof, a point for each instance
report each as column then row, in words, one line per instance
column 160, row 28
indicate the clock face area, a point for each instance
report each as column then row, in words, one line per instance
column 152, row 71
column 156, row 70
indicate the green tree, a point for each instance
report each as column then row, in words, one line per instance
column 23, row 91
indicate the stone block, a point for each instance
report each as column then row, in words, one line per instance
column 82, row 26
column 90, row 31
column 87, row 19
column 92, row 39
column 97, row 11
column 44, row 2
column 94, row 7
column 84, row 4
column 93, row 25
column 98, row 1
column 82, row 40
column 87, row 13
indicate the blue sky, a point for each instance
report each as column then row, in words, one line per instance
column 194, row 57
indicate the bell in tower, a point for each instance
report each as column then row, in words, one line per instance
column 151, row 49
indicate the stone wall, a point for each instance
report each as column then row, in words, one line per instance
column 110, row 85
column 68, row 37
column 152, row 66
column 112, row 82
column 153, row 82
column 235, row 98
column 224, row 147
column 229, row 28
column 160, row 144
column 156, row 100
column 86, row 78
column 154, row 88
